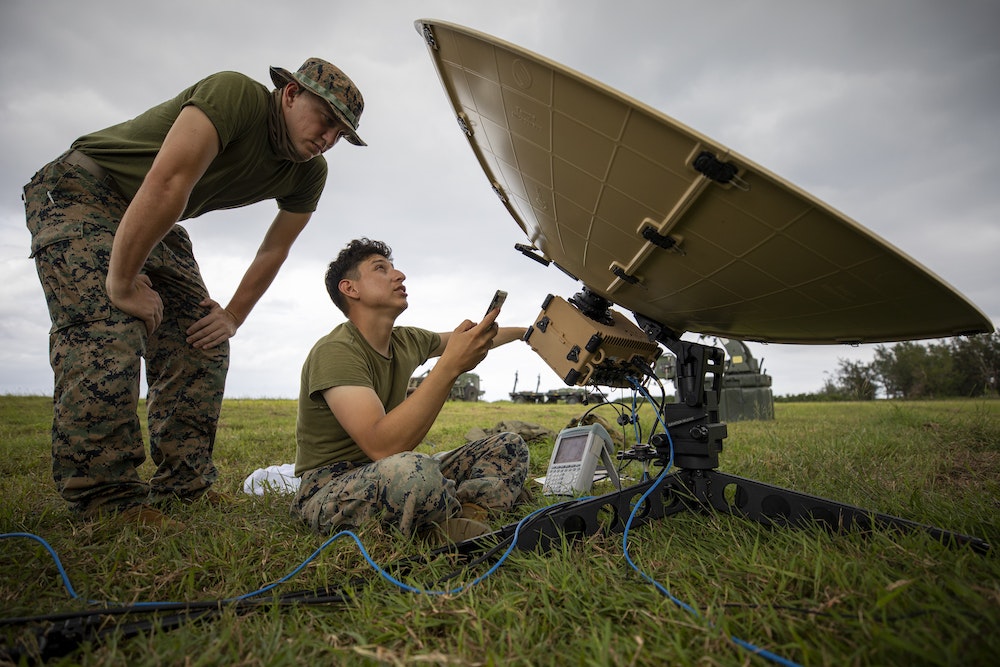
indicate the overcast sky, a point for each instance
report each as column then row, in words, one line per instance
column 888, row 110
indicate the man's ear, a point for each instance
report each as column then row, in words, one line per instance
column 289, row 92
column 347, row 288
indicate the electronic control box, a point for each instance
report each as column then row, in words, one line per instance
column 584, row 351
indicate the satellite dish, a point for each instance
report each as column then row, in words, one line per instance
column 670, row 224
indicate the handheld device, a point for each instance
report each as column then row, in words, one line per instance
column 498, row 298
column 574, row 460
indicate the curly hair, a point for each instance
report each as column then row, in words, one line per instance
column 346, row 266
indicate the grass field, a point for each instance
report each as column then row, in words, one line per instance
column 807, row 596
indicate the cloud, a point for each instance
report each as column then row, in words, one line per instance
column 886, row 111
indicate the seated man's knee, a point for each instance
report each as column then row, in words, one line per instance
column 516, row 450
column 417, row 473
column 416, row 494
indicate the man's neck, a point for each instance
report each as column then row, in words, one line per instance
column 376, row 329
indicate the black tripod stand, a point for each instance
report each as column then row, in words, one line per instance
column 697, row 486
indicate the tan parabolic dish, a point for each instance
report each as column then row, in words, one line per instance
column 607, row 188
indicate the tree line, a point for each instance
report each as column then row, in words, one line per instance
column 959, row 367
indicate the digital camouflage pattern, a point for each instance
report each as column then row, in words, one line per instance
column 95, row 351
column 413, row 492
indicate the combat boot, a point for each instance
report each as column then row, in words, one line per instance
column 474, row 512
column 460, row 529
column 145, row 515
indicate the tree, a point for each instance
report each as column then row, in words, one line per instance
column 966, row 366
column 857, row 380
column 852, row 381
column 976, row 362
column 912, row 370
column 898, row 367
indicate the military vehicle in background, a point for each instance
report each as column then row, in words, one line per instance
column 746, row 389
column 466, row 387
column 527, row 396
column 570, row 395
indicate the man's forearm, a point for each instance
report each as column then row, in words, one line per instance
column 267, row 262
column 408, row 423
column 508, row 334
column 257, row 279
column 380, row 434
column 144, row 224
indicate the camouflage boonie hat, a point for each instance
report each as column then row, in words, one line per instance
column 330, row 83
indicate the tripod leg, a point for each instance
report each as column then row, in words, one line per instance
column 772, row 505
column 702, row 491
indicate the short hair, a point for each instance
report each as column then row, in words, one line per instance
column 346, row 266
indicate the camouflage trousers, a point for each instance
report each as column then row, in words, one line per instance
column 96, row 351
column 412, row 492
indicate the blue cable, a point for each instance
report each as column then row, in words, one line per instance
column 756, row 650
column 59, row 566
column 388, row 577
column 346, row 533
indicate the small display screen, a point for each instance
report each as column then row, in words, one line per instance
column 571, row 449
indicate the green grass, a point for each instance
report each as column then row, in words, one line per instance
column 809, row 596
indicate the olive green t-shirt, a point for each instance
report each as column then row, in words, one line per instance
column 344, row 358
column 245, row 171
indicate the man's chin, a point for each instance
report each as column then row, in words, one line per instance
column 304, row 156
